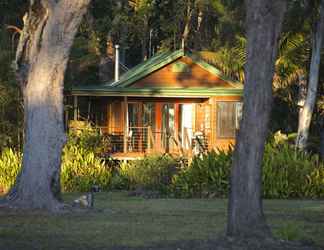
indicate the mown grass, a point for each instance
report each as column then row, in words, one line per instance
column 120, row 222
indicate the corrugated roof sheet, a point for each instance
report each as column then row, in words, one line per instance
column 123, row 86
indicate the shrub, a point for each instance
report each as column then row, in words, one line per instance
column 151, row 173
column 207, row 175
column 81, row 169
column 288, row 173
column 82, row 165
column 10, row 164
column 85, row 136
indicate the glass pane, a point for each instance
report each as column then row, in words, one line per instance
column 226, row 119
column 239, row 110
column 133, row 114
column 149, row 115
column 168, row 124
column 148, row 121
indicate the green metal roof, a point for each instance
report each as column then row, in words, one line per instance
column 147, row 67
column 124, row 86
column 156, row 92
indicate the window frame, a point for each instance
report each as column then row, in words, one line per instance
column 237, row 105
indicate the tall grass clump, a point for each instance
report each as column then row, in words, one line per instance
column 87, row 137
column 10, row 165
column 82, row 164
column 206, row 176
column 81, row 169
column 153, row 172
column 289, row 173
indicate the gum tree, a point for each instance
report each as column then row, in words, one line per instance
column 41, row 59
column 245, row 213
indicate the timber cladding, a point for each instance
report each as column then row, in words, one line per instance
column 172, row 98
column 204, row 117
column 194, row 76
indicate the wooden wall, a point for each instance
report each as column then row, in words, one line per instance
column 195, row 77
column 205, row 117
column 115, row 117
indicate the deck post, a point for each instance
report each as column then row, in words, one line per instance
column 125, row 123
column 150, row 140
column 149, row 132
column 75, row 108
column 187, row 143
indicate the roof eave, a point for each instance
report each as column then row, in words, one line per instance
column 181, row 93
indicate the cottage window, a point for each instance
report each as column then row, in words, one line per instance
column 228, row 117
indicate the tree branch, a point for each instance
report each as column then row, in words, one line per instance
column 15, row 28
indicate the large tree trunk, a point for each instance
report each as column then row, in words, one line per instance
column 305, row 116
column 302, row 91
column 42, row 54
column 245, row 211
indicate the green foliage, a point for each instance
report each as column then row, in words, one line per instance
column 82, row 164
column 151, row 173
column 11, row 120
column 290, row 231
column 81, row 169
column 10, row 163
column 88, row 138
column 288, row 173
column 206, row 176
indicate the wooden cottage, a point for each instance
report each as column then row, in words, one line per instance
column 172, row 103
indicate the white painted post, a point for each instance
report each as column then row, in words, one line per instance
column 75, row 108
column 116, row 63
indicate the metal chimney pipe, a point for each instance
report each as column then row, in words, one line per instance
column 116, row 63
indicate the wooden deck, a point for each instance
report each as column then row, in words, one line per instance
column 127, row 156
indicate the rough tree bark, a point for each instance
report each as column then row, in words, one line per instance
column 186, row 30
column 302, row 91
column 197, row 41
column 245, row 210
column 42, row 54
column 144, row 38
column 305, row 116
column 321, row 147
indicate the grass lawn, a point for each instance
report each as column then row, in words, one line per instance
column 134, row 223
